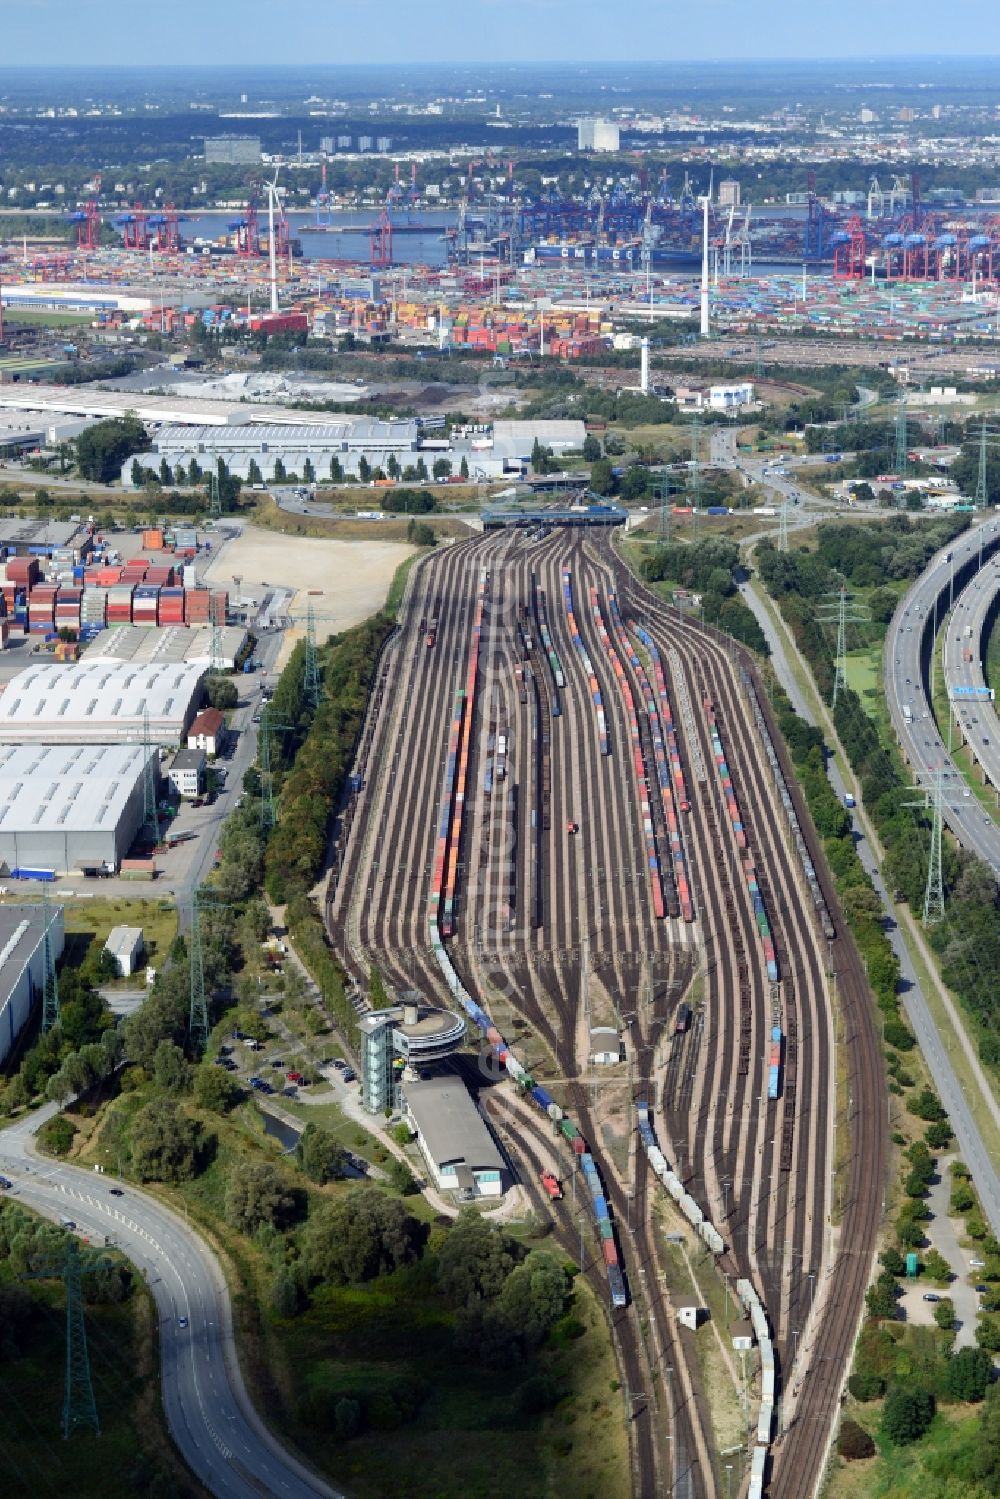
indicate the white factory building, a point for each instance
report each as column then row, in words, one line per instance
column 22, row 963
column 169, row 645
column 598, row 135
column 70, row 808
column 347, row 440
column 100, row 702
column 457, row 1145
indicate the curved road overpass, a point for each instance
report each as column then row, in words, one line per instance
column 963, row 653
column 906, row 664
column 210, row 1416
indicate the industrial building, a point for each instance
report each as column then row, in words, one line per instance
column 232, row 150
column 64, row 296
column 169, row 645
column 347, row 440
column 38, row 538
column 459, row 1150
column 22, row 963
column 99, row 702
column 70, row 808
column 598, row 135
column 410, row 1035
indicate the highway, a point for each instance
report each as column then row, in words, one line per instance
column 933, row 1046
column 963, row 653
column 209, row 1413
column 906, row 662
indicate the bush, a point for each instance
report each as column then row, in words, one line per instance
column 538, row 1394
column 969, row 1374
column 866, row 1386
column 56, row 1135
column 944, row 1314
column 258, row 1193
column 853, row 1442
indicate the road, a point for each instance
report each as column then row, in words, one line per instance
column 907, row 659
column 932, row 1045
column 209, row 1413
column 963, row 654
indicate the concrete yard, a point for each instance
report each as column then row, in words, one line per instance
column 346, row 581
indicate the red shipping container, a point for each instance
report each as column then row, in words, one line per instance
column 610, row 1252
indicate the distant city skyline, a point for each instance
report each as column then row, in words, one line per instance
column 256, row 32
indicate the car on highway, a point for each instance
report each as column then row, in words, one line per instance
column 182, row 1322
column 117, row 1192
column 5, row 1183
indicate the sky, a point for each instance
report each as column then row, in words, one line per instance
column 422, row 31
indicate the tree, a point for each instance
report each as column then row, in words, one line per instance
column 364, row 469
column 938, row 1134
column 926, row 1105
column 970, row 1373
column 534, row 1296
column 254, row 475
column 463, row 468
column 392, row 467
column 474, row 1261
column 194, row 474
column 893, row 1261
column 944, row 1314
column 278, row 472
column 319, row 1154
column 166, row 473
column 963, row 1199
column 215, row 1090
column 357, row 1237
column 346, row 1418
column 853, row 1442
column 591, row 448
column 907, row 1414
column 166, row 1144
column 401, row 1177
column 308, row 472
column 258, row 1193
column 881, row 1297
column 171, row 1072
column 103, row 449
column 336, row 471
column 420, row 534
column 222, row 692
column 442, row 468
column 284, row 1294
column 988, row 1334
column 936, row 1268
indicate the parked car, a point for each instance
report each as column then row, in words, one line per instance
column 931, row 1296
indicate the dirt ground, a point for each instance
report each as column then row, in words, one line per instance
column 345, row 581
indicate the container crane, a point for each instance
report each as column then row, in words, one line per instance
column 88, row 221
column 134, row 228
column 247, row 230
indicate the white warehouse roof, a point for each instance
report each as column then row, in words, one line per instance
column 71, row 788
column 100, row 702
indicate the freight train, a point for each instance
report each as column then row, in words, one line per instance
column 588, row 665
column 441, row 924
column 669, row 771
column 739, row 833
column 661, row 1168
column 751, row 1304
column 791, row 817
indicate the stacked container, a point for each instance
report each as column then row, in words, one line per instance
column 145, row 601
column 120, row 604
column 185, row 540
column 107, row 577
column 160, row 574
column 24, row 571
column 42, row 609
column 152, row 541
column 68, row 609
column 93, row 611
column 197, row 606
column 135, row 569
column 171, row 606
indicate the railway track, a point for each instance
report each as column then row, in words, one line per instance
column 556, row 934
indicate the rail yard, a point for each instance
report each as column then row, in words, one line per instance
column 572, row 813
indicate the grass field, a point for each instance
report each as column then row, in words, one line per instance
column 26, row 318
column 936, row 1465
column 270, row 515
column 89, row 922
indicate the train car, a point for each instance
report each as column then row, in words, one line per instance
column 682, row 1020
column 552, row 1185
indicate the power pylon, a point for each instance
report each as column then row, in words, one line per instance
column 694, row 472
column 312, row 686
column 665, row 516
column 901, row 443
column 198, row 1011
column 783, row 527
column 79, row 1406
column 759, row 362
column 150, row 809
column 214, row 497
column 50, row 990
column 934, row 889
column 842, row 613
column 981, row 476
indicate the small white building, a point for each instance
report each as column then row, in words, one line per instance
column 459, row 1150
column 207, row 732
column 730, row 397
column 125, row 945
column 187, row 772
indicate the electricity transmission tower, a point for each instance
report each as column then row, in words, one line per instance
column 934, row 890
column 312, row 685
column 50, row 990
column 901, row 444
column 268, row 726
column 214, row 496
column 198, row 1010
column 841, row 611
column 694, row 473
column 79, row 1406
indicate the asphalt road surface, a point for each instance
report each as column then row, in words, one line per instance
column 209, row 1413
column 908, row 645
